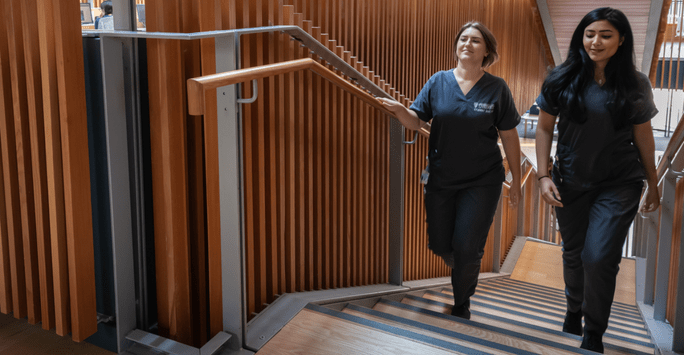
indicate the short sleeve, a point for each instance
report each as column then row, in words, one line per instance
column 547, row 105
column 423, row 105
column 508, row 114
column 644, row 107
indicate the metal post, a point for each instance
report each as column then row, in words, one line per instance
column 651, row 234
column 498, row 225
column 230, row 186
column 396, row 204
column 665, row 242
column 115, row 78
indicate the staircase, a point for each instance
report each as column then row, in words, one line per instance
column 508, row 317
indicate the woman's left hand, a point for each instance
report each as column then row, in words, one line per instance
column 514, row 194
column 651, row 200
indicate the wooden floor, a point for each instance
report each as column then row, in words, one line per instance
column 19, row 337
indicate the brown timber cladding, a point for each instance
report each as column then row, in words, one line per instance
column 46, row 235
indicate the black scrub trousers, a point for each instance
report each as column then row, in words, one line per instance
column 593, row 226
column 466, row 170
column 458, row 221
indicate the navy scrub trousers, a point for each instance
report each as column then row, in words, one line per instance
column 594, row 225
column 458, row 222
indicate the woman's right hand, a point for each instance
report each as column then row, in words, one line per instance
column 549, row 192
column 391, row 105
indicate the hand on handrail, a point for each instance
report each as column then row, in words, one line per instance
column 651, row 200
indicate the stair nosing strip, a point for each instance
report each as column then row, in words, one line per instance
column 394, row 330
column 533, row 309
column 541, row 319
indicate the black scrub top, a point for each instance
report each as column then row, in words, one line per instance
column 594, row 154
column 463, row 149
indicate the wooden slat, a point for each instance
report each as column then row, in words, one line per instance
column 78, row 211
column 39, row 168
column 24, row 166
column 13, row 295
column 169, row 179
column 660, row 37
column 53, row 153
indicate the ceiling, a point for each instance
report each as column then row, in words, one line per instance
column 560, row 17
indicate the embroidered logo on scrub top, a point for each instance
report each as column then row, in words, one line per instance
column 483, row 107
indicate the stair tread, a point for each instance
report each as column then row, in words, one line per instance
column 313, row 331
column 555, row 299
column 631, row 325
column 482, row 330
column 479, row 344
column 482, row 313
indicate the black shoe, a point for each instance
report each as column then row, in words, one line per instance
column 462, row 311
column 592, row 342
column 573, row 323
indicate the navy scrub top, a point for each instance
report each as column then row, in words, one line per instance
column 594, row 154
column 463, row 149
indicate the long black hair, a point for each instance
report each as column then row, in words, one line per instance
column 567, row 82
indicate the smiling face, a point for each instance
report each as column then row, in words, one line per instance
column 471, row 46
column 601, row 41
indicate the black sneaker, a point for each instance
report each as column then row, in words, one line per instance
column 462, row 311
column 573, row 323
column 592, row 342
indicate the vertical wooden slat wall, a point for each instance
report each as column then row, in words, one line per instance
column 46, row 235
column 315, row 158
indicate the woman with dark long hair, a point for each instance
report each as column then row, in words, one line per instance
column 605, row 150
column 469, row 110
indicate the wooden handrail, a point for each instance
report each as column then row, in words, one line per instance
column 197, row 87
column 672, row 148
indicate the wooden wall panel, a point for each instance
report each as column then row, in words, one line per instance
column 39, row 168
column 55, row 183
column 74, row 136
column 47, row 238
column 23, row 151
column 16, row 293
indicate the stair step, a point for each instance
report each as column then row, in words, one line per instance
column 504, row 334
column 632, row 329
column 630, row 325
column 614, row 343
column 459, row 334
column 321, row 330
column 559, row 301
column 544, row 291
